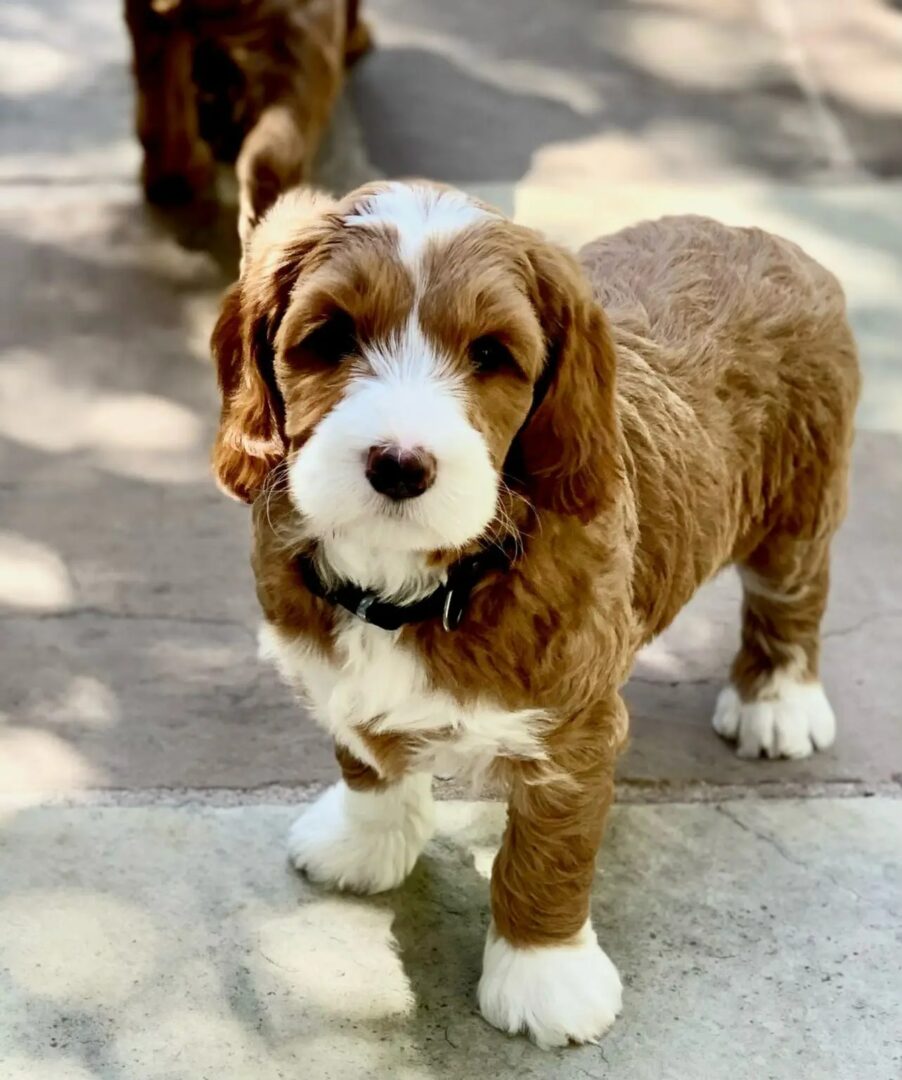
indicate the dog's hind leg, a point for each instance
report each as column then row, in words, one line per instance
column 774, row 704
column 274, row 157
column 359, row 41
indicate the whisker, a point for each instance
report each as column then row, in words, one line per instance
column 288, row 533
column 276, row 482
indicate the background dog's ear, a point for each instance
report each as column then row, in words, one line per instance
column 569, row 446
column 249, row 442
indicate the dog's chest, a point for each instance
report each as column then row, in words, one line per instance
column 375, row 682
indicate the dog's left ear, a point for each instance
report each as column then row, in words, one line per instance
column 570, row 445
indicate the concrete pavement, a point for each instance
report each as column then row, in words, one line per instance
column 148, row 925
column 157, row 942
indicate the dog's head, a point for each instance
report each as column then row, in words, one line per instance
column 402, row 354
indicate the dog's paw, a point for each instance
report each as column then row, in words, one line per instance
column 182, row 176
column 788, row 719
column 556, row 994
column 364, row 842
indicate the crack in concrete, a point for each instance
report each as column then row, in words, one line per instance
column 781, row 19
column 819, row 871
column 594, row 1076
column 765, row 837
column 289, row 794
column 275, row 963
column 673, row 683
column 647, row 791
column 877, row 616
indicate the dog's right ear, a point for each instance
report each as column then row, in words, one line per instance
column 250, row 441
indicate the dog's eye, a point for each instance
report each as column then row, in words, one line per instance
column 488, row 354
column 334, row 340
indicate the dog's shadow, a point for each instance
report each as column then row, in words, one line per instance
column 208, row 226
column 439, row 919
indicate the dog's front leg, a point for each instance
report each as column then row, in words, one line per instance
column 178, row 165
column 543, row 970
column 364, row 833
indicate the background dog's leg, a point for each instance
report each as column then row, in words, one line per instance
column 775, row 704
column 280, row 148
column 359, row 40
column 543, row 970
column 365, row 833
column 178, row 165
column 274, row 157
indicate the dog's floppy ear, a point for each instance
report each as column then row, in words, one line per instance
column 569, row 446
column 250, row 441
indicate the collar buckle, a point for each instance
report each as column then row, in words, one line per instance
column 454, row 607
column 366, row 602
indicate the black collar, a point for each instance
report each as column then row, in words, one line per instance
column 448, row 602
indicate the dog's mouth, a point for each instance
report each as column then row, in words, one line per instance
column 381, row 522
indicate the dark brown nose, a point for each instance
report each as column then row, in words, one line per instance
column 400, row 474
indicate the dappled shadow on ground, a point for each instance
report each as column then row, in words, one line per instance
column 175, row 941
column 128, row 615
column 470, row 93
column 129, row 621
column 564, row 92
column 129, row 609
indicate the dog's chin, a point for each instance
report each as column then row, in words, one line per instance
column 393, row 528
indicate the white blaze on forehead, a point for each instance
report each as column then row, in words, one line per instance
column 408, row 356
column 419, row 213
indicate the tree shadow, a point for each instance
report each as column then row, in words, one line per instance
column 120, row 309
column 109, row 410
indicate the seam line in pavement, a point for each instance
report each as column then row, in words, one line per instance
column 628, row 793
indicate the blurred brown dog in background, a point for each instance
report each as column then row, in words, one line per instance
column 249, row 81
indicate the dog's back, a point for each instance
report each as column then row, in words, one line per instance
column 738, row 380
column 711, row 296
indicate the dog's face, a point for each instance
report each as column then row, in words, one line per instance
column 402, row 355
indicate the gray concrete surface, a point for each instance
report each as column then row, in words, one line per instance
column 148, row 926
column 128, row 615
column 173, row 944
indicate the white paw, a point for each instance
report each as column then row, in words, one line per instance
column 557, row 994
column 788, row 719
column 364, row 841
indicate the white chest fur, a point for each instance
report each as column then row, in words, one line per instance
column 373, row 680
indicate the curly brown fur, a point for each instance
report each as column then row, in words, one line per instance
column 687, row 403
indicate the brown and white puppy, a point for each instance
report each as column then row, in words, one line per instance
column 408, row 377
column 254, row 80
